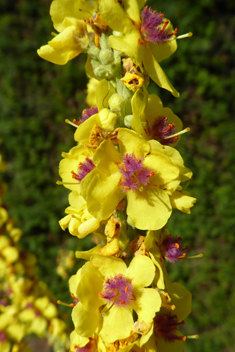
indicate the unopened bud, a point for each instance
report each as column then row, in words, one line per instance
column 106, row 56
column 115, row 102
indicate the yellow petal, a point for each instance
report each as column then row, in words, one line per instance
column 182, row 202
column 148, row 302
column 156, row 73
column 117, row 324
column 108, row 266
column 141, row 271
column 103, row 92
column 85, row 322
column 150, row 209
column 58, row 57
column 90, row 298
column 101, row 193
column 163, row 51
column 115, row 16
column 131, row 142
column 132, row 9
column 70, row 8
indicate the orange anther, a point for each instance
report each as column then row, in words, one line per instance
column 100, row 294
column 151, row 173
column 126, row 289
column 123, row 302
column 139, row 160
column 126, row 155
column 164, row 27
column 184, row 338
column 120, row 276
column 182, row 256
column 73, row 296
column 125, row 169
column 127, row 187
column 107, row 281
column 76, row 122
column 72, row 305
column 177, row 245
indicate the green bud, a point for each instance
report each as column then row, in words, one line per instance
column 127, row 121
column 115, row 102
column 106, row 56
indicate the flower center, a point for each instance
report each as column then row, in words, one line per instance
column 172, row 249
column 154, row 28
column 166, row 327
column 86, row 114
column 83, row 169
column 134, row 174
column 161, row 129
column 118, row 291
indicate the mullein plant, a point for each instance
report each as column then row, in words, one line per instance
column 125, row 177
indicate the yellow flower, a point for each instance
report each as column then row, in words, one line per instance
column 181, row 298
column 116, row 291
column 152, row 121
column 146, row 172
column 79, row 221
column 136, row 41
column 68, row 44
column 67, row 19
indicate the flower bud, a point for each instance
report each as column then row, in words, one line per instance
column 106, row 56
column 115, row 102
column 107, row 119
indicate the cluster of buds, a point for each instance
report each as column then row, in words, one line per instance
column 125, row 178
column 27, row 305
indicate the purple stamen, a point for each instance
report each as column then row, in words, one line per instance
column 161, row 129
column 83, row 169
column 118, row 291
column 2, row 336
column 172, row 249
column 166, row 327
column 88, row 113
column 154, row 27
column 134, row 174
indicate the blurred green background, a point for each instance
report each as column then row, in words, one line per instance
column 37, row 96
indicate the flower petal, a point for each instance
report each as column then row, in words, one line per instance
column 156, row 72
column 148, row 302
column 58, row 57
column 137, row 270
column 101, row 193
column 131, row 142
column 115, row 16
column 85, row 322
column 117, row 324
column 108, row 266
column 70, row 8
column 150, row 209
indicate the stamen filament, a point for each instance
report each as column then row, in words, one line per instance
column 193, row 336
column 187, row 129
column 71, row 123
column 187, row 35
column 59, row 183
column 64, row 304
column 196, row 256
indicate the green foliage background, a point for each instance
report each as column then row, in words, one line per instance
column 35, row 99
